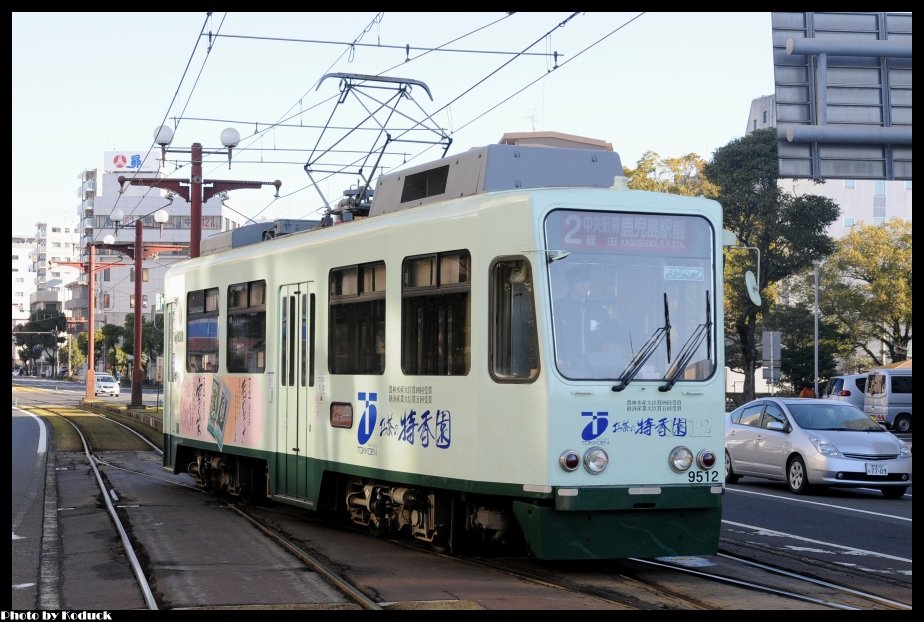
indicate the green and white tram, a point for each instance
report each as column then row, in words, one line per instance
column 506, row 346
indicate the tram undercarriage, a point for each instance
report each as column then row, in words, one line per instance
column 457, row 521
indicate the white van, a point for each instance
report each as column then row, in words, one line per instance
column 850, row 388
column 888, row 398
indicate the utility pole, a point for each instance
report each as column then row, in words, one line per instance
column 197, row 190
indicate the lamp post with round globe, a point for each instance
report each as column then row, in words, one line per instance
column 197, row 190
column 137, row 251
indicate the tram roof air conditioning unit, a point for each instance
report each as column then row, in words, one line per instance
column 494, row 168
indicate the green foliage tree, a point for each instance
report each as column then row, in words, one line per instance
column 99, row 343
column 789, row 231
column 152, row 339
column 865, row 286
column 115, row 356
column 37, row 340
column 796, row 324
column 683, row 175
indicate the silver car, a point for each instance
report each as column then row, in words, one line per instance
column 106, row 385
column 810, row 442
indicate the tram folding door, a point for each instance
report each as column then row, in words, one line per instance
column 169, row 378
column 294, row 406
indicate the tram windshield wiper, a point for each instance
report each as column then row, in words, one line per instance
column 689, row 348
column 635, row 365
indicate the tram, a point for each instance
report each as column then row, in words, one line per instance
column 502, row 347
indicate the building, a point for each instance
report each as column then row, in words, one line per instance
column 869, row 201
column 22, row 277
column 100, row 195
column 41, row 273
column 22, row 284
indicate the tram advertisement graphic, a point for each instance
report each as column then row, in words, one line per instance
column 218, row 412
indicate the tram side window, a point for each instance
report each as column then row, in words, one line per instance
column 247, row 327
column 436, row 314
column 357, row 319
column 202, row 331
column 514, row 345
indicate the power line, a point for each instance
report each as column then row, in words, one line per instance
column 407, row 47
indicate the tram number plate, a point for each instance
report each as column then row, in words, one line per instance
column 875, row 468
column 702, row 477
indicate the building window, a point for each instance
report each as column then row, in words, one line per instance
column 436, row 315
column 754, row 127
column 765, row 116
column 850, row 221
column 202, row 331
column 879, row 190
column 908, row 185
column 849, row 184
column 144, row 275
column 357, row 319
column 247, row 327
column 106, row 274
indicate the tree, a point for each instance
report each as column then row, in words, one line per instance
column 788, row 230
column 38, row 338
column 98, row 346
column 796, row 324
column 111, row 336
column 152, row 339
column 683, row 175
column 865, row 286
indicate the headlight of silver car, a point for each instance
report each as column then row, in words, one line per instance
column 906, row 451
column 824, row 447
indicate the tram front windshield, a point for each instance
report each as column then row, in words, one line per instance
column 632, row 295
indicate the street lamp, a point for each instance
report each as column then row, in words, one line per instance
column 195, row 191
column 137, row 251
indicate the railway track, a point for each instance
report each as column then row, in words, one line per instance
column 110, row 450
column 740, row 577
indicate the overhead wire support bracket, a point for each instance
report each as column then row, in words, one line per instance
column 379, row 116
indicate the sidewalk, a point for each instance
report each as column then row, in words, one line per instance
column 148, row 415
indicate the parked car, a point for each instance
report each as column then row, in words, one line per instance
column 849, row 388
column 888, row 398
column 106, row 385
column 808, row 442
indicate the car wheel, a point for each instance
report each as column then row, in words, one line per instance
column 902, row 424
column 796, row 476
column 890, row 492
column 730, row 477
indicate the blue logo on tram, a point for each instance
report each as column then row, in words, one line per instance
column 367, row 421
column 596, row 427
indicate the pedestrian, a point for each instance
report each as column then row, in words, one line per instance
column 807, row 391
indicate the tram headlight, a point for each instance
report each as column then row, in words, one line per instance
column 569, row 460
column 705, row 459
column 680, row 459
column 595, row 460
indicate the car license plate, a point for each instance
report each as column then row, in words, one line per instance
column 874, row 468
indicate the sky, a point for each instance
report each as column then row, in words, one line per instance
column 88, row 83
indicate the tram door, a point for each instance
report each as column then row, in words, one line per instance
column 169, row 377
column 296, row 378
